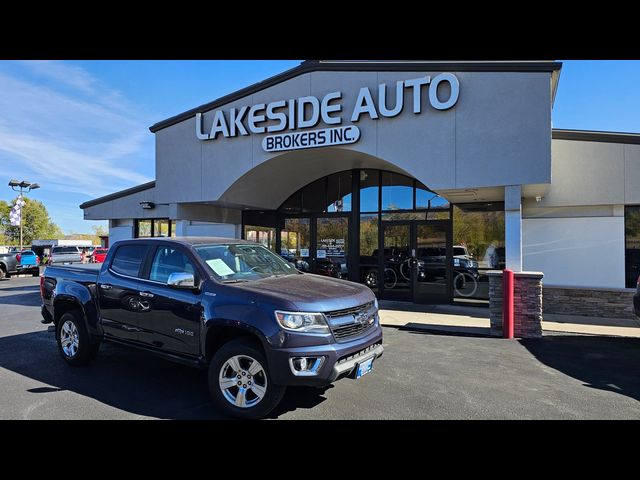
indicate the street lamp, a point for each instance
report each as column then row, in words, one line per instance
column 21, row 186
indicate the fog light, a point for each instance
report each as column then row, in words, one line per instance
column 305, row 366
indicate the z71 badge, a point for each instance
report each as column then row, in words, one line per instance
column 180, row 331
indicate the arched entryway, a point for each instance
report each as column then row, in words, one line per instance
column 373, row 226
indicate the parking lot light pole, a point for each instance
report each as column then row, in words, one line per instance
column 20, row 187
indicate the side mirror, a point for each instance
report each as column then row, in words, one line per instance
column 181, row 280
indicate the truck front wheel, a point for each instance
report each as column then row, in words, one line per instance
column 240, row 383
column 73, row 340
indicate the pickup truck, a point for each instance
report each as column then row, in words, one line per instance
column 8, row 264
column 232, row 306
column 28, row 262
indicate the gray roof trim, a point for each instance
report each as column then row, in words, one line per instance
column 596, row 136
column 120, row 194
column 365, row 66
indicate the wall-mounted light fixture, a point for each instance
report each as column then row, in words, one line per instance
column 147, row 205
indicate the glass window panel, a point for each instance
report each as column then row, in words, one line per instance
column 161, row 227
column 397, row 192
column 388, row 217
column 478, row 246
column 167, row 261
column 339, row 192
column 632, row 245
column 369, row 182
column 295, row 239
column 173, row 228
column 128, row 259
column 428, row 199
column 332, row 241
column 314, row 196
column 144, row 228
column 369, row 251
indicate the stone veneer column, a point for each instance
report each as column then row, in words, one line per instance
column 527, row 303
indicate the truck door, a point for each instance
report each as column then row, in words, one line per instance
column 119, row 292
column 173, row 319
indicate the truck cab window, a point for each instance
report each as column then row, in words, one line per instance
column 128, row 259
column 167, row 261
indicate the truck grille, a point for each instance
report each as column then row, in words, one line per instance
column 360, row 353
column 343, row 323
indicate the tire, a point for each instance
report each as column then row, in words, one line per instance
column 390, row 278
column 245, row 352
column 85, row 351
column 35, row 273
column 371, row 279
column 3, row 274
column 465, row 285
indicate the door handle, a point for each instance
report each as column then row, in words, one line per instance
column 146, row 294
column 105, row 286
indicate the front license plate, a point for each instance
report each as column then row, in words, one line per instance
column 364, row 367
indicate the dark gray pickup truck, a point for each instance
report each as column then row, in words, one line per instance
column 231, row 306
column 8, row 264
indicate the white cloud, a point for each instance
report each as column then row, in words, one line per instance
column 63, row 73
column 82, row 140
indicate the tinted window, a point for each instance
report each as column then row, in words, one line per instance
column 128, row 259
column 168, row 260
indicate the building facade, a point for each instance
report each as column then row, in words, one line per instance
column 415, row 178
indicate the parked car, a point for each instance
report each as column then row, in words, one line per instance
column 300, row 264
column 636, row 298
column 256, row 322
column 65, row 255
column 28, row 262
column 99, row 254
column 327, row 268
column 8, row 264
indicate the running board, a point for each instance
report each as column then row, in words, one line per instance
column 188, row 361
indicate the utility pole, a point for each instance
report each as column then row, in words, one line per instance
column 21, row 186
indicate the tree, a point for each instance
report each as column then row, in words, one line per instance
column 36, row 223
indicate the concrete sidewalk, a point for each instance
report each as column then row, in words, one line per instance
column 474, row 320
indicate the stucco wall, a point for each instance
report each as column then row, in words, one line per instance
column 498, row 133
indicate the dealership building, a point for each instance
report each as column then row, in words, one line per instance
column 415, row 178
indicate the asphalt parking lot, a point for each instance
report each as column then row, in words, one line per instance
column 422, row 375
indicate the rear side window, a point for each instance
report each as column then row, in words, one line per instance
column 128, row 259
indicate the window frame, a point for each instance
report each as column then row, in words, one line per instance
column 634, row 280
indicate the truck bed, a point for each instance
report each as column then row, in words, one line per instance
column 84, row 273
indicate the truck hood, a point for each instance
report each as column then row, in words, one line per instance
column 309, row 292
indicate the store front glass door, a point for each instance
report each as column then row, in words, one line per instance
column 416, row 262
column 331, row 247
column 396, row 266
column 432, row 272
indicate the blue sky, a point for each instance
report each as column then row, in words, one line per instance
column 80, row 128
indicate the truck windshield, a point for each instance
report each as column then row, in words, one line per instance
column 243, row 262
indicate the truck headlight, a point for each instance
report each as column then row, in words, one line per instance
column 302, row 322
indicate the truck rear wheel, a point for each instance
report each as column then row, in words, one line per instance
column 240, row 383
column 74, row 342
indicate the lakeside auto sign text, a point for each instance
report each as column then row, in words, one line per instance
column 305, row 112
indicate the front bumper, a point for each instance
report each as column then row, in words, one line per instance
column 340, row 359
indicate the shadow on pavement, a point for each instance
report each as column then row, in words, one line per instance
column 28, row 298
column 126, row 379
column 605, row 363
column 23, row 288
column 425, row 329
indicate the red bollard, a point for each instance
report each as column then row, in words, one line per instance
column 507, row 304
